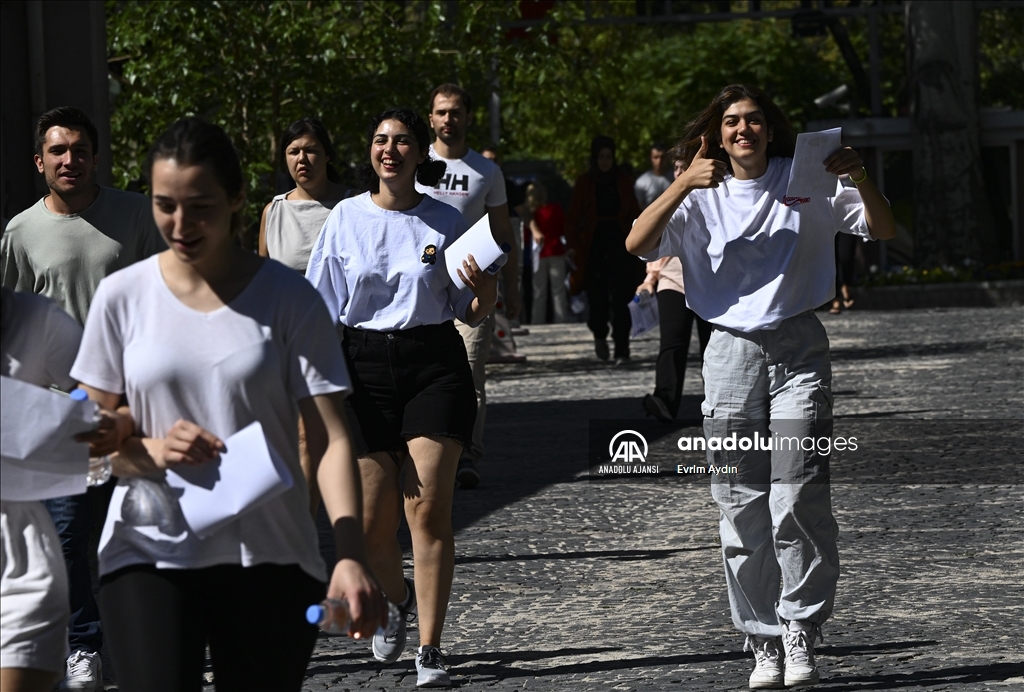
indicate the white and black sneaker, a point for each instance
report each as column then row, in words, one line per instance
column 767, row 673
column 388, row 648
column 430, row 670
column 798, row 641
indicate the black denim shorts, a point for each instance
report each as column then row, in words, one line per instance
column 408, row 383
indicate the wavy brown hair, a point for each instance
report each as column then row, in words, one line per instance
column 708, row 123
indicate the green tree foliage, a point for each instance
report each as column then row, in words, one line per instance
column 254, row 67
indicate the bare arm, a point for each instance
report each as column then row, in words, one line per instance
column 538, row 237
column 484, row 287
column 501, row 229
column 877, row 212
column 647, row 231
column 330, row 449
column 186, row 443
column 263, row 232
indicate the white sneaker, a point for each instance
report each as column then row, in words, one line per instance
column 430, row 670
column 798, row 641
column 85, row 672
column 767, row 673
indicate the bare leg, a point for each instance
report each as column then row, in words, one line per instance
column 26, row 680
column 381, row 515
column 429, row 485
column 308, row 471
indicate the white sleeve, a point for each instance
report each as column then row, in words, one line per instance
column 848, row 211
column 325, row 269
column 315, row 361
column 100, row 361
column 496, row 190
column 671, row 244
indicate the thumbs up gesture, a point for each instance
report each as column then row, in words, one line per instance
column 704, row 172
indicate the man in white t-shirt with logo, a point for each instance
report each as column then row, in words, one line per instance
column 475, row 186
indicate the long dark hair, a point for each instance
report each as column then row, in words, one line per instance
column 316, row 129
column 427, row 173
column 194, row 142
column 709, row 124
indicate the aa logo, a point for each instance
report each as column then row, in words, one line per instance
column 626, row 447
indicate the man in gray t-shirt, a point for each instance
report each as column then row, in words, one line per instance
column 61, row 247
column 649, row 186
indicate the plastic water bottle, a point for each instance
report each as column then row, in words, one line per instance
column 500, row 262
column 100, row 469
column 332, row 615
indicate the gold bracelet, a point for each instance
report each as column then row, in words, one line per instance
column 862, row 178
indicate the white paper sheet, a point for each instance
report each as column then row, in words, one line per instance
column 644, row 314
column 248, row 474
column 477, row 241
column 38, row 454
column 808, row 178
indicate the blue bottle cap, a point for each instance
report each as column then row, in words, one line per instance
column 79, row 394
column 314, row 614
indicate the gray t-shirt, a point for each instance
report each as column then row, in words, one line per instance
column 64, row 257
column 648, row 187
column 293, row 227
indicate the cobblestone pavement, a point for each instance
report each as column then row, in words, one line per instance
column 566, row 584
column 563, row 583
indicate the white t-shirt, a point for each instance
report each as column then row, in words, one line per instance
column 251, row 360
column 752, row 257
column 471, row 184
column 385, row 270
column 39, row 341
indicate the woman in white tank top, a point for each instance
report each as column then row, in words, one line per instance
column 292, row 221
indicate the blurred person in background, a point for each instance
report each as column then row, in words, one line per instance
column 600, row 215
column 547, row 226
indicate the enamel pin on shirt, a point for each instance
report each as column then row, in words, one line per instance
column 429, row 254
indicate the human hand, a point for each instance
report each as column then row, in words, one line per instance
column 703, row 172
column 648, row 286
column 483, row 285
column 114, row 428
column 352, row 581
column 844, row 161
column 187, row 443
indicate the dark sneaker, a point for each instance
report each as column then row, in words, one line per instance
column 430, row 670
column 467, row 475
column 767, row 673
column 601, row 349
column 798, row 641
column 388, row 648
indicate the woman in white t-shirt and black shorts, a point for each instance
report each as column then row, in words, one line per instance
column 380, row 266
column 205, row 339
column 757, row 263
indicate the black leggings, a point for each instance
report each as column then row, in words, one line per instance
column 157, row 623
column 676, row 321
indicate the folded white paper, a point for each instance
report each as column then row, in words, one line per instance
column 644, row 314
column 477, row 241
column 248, row 474
column 807, row 177
column 38, row 454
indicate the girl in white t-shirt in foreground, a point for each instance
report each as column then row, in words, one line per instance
column 380, row 266
column 203, row 340
column 757, row 263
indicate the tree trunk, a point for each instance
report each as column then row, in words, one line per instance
column 952, row 218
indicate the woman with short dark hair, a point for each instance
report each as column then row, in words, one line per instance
column 380, row 265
